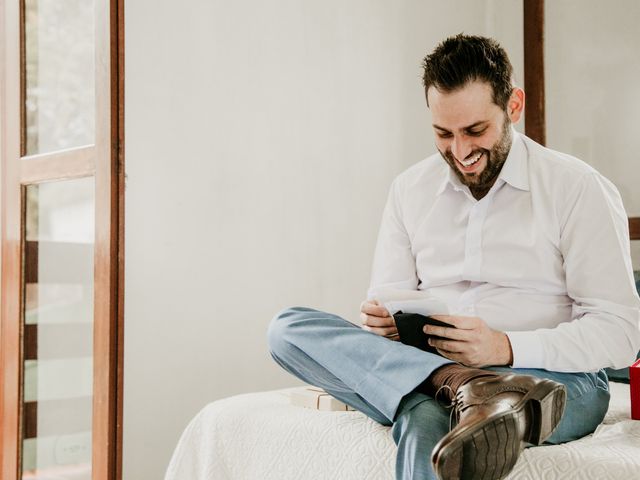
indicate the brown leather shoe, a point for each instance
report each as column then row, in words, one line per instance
column 496, row 417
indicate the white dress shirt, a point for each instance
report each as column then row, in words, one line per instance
column 544, row 256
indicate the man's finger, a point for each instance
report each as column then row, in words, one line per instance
column 450, row 355
column 374, row 310
column 448, row 332
column 379, row 321
column 447, row 345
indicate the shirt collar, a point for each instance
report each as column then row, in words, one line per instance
column 450, row 179
column 514, row 171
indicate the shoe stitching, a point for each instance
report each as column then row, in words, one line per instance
column 460, row 406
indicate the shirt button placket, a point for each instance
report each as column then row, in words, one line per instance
column 473, row 241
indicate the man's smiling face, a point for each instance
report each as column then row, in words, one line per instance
column 473, row 134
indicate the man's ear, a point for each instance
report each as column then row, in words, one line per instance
column 515, row 106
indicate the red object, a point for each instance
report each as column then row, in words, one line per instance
column 634, row 380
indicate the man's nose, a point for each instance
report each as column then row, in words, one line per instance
column 460, row 148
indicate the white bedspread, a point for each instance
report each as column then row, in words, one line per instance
column 260, row 436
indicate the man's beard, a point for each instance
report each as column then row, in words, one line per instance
column 495, row 158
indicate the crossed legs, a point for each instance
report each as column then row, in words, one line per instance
column 378, row 377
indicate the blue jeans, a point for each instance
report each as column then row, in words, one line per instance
column 378, row 376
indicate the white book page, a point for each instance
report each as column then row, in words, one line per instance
column 410, row 301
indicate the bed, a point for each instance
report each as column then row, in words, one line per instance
column 262, row 436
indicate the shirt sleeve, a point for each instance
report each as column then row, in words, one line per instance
column 605, row 327
column 394, row 265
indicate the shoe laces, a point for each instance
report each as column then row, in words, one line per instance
column 448, row 404
column 458, row 406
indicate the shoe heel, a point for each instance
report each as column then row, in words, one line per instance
column 546, row 405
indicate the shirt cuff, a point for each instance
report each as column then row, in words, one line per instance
column 527, row 349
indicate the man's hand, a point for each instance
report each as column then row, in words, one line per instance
column 471, row 343
column 375, row 318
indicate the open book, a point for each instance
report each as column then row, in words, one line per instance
column 409, row 301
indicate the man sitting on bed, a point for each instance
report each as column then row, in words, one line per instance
column 527, row 246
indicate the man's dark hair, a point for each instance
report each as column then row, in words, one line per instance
column 462, row 59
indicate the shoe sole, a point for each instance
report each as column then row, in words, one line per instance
column 489, row 450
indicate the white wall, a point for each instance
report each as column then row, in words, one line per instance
column 261, row 140
column 592, row 75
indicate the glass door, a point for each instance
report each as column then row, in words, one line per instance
column 62, row 263
column 57, row 326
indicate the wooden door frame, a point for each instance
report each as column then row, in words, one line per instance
column 109, row 248
column 105, row 161
column 533, row 39
column 11, row 296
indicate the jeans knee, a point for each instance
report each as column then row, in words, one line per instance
column 278, row 327
column 582, row 415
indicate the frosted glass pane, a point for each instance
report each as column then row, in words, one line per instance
column 59, row 63
column 58, row 331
